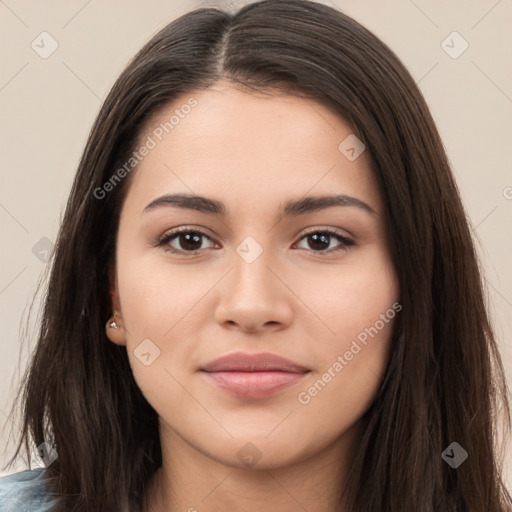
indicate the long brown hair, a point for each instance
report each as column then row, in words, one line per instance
column 444, row 381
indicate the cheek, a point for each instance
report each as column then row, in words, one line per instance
column 156, row 303
column 353, row 297
column 158, row 297
column 352, row 361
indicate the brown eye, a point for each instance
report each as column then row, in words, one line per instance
column 185, row 240
column 320, row 241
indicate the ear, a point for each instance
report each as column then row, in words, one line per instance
column 115, row 332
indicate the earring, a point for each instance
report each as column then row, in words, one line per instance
column 113, row 323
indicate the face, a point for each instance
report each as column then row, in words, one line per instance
column 256, row 268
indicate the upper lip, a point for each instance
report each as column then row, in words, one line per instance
column 263, row 362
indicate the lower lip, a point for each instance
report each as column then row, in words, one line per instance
column 254, row 384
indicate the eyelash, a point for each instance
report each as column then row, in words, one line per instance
column 165, row 239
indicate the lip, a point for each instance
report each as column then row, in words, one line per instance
column 253, row 375
column 263, row 362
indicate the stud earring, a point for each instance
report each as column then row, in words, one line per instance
column 113, row 324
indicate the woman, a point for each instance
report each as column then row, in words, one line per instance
column 264, row 293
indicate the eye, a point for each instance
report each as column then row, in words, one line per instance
column 187, row 239
column 320, row 240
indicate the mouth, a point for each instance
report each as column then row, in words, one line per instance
column 253, row 376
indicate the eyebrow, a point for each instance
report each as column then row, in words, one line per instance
column 291, row 208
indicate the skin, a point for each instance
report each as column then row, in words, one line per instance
column 253, row 153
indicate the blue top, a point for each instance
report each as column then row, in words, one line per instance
column 25, row 492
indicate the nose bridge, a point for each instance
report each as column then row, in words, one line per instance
column 251, row 264
column 253, row 296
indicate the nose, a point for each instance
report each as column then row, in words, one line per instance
column 255, row 296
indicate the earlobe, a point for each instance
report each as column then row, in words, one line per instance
column 114, row 330
column 114, row 327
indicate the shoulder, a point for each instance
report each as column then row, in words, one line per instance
column 25, row 492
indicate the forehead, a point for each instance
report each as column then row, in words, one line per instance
column 240, row 143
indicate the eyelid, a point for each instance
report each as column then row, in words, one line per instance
column 316, row 229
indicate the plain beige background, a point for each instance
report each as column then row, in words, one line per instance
column 48, row 106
